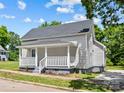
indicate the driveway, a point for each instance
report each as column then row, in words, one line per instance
column 112, row 75
column 11, row 86
column 113, row 79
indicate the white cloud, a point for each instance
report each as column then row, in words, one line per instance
column 64, row 10
column 2, row 6
column 51, row 3
column 41, row 20
column 27, row 20
column 7, row 16
column 63, row 2
column 65, row 6
column 79, row 17
column 76, row 17
column 21, row 4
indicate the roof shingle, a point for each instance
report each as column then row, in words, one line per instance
column 64, row 29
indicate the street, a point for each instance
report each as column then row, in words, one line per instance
column 11, row 86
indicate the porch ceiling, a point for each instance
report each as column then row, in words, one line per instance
column 42, row 43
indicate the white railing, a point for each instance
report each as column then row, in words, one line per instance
column 42, row 62
column 28, row 61
column 57, row 61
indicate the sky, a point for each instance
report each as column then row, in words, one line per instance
column 22, row 15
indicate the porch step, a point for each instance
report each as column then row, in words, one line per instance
column 38, row 69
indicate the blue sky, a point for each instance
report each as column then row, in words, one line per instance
column 22, row 15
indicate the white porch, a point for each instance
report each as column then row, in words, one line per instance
column 62, row 56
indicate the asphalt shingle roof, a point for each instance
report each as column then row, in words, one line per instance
column 64, row 29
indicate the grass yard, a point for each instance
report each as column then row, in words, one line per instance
column 74, row 84
column 83, row 76
column 115, row 67
column 9, row 65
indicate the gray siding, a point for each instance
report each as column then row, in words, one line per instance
column 57, row 51
column 98, row 56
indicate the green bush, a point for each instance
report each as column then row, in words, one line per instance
column 121, row 63
column 108, row 62
column 13, row 55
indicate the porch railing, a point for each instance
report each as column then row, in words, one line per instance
column 57, row 61
column 28, row 61
column 42, row 62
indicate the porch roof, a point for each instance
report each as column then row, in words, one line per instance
column 41, row 43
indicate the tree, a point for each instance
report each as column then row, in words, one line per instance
column 14, row 41
column 120, row 2
column 99, row 34
column 114, row 41
column 4, row 36
column 46, row 24
column 109, row 11
column 89, row 6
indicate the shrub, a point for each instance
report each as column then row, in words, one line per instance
column 121, row 63
column 108, row 62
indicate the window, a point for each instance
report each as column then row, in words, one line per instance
column 33, row 52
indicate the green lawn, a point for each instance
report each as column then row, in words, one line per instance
column 9, row 65
column 83, row 76
column 115, row 67
column 74, row 84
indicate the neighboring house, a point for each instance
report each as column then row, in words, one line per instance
column 3, row 54
column 62, row 48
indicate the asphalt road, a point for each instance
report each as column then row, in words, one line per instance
column 11, row 86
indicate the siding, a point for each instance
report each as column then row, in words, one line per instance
column 98, row 56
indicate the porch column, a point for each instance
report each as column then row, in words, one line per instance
column 46, row 56
column 36, row 57
column 20, row 56
column 68, row 56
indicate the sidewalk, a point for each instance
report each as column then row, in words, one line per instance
column 41, row 75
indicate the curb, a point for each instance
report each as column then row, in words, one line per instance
column 44, row 85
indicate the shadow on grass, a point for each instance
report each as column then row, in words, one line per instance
column 86, row 85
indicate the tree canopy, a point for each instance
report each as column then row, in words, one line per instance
column 114, row 41
column 109, row 11
column 4, row 36
column 46, row 24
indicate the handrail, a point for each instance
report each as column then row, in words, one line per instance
column 40, row 63
column 76, row 56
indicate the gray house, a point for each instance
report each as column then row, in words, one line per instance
column 62, row 49
column 3, row 54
